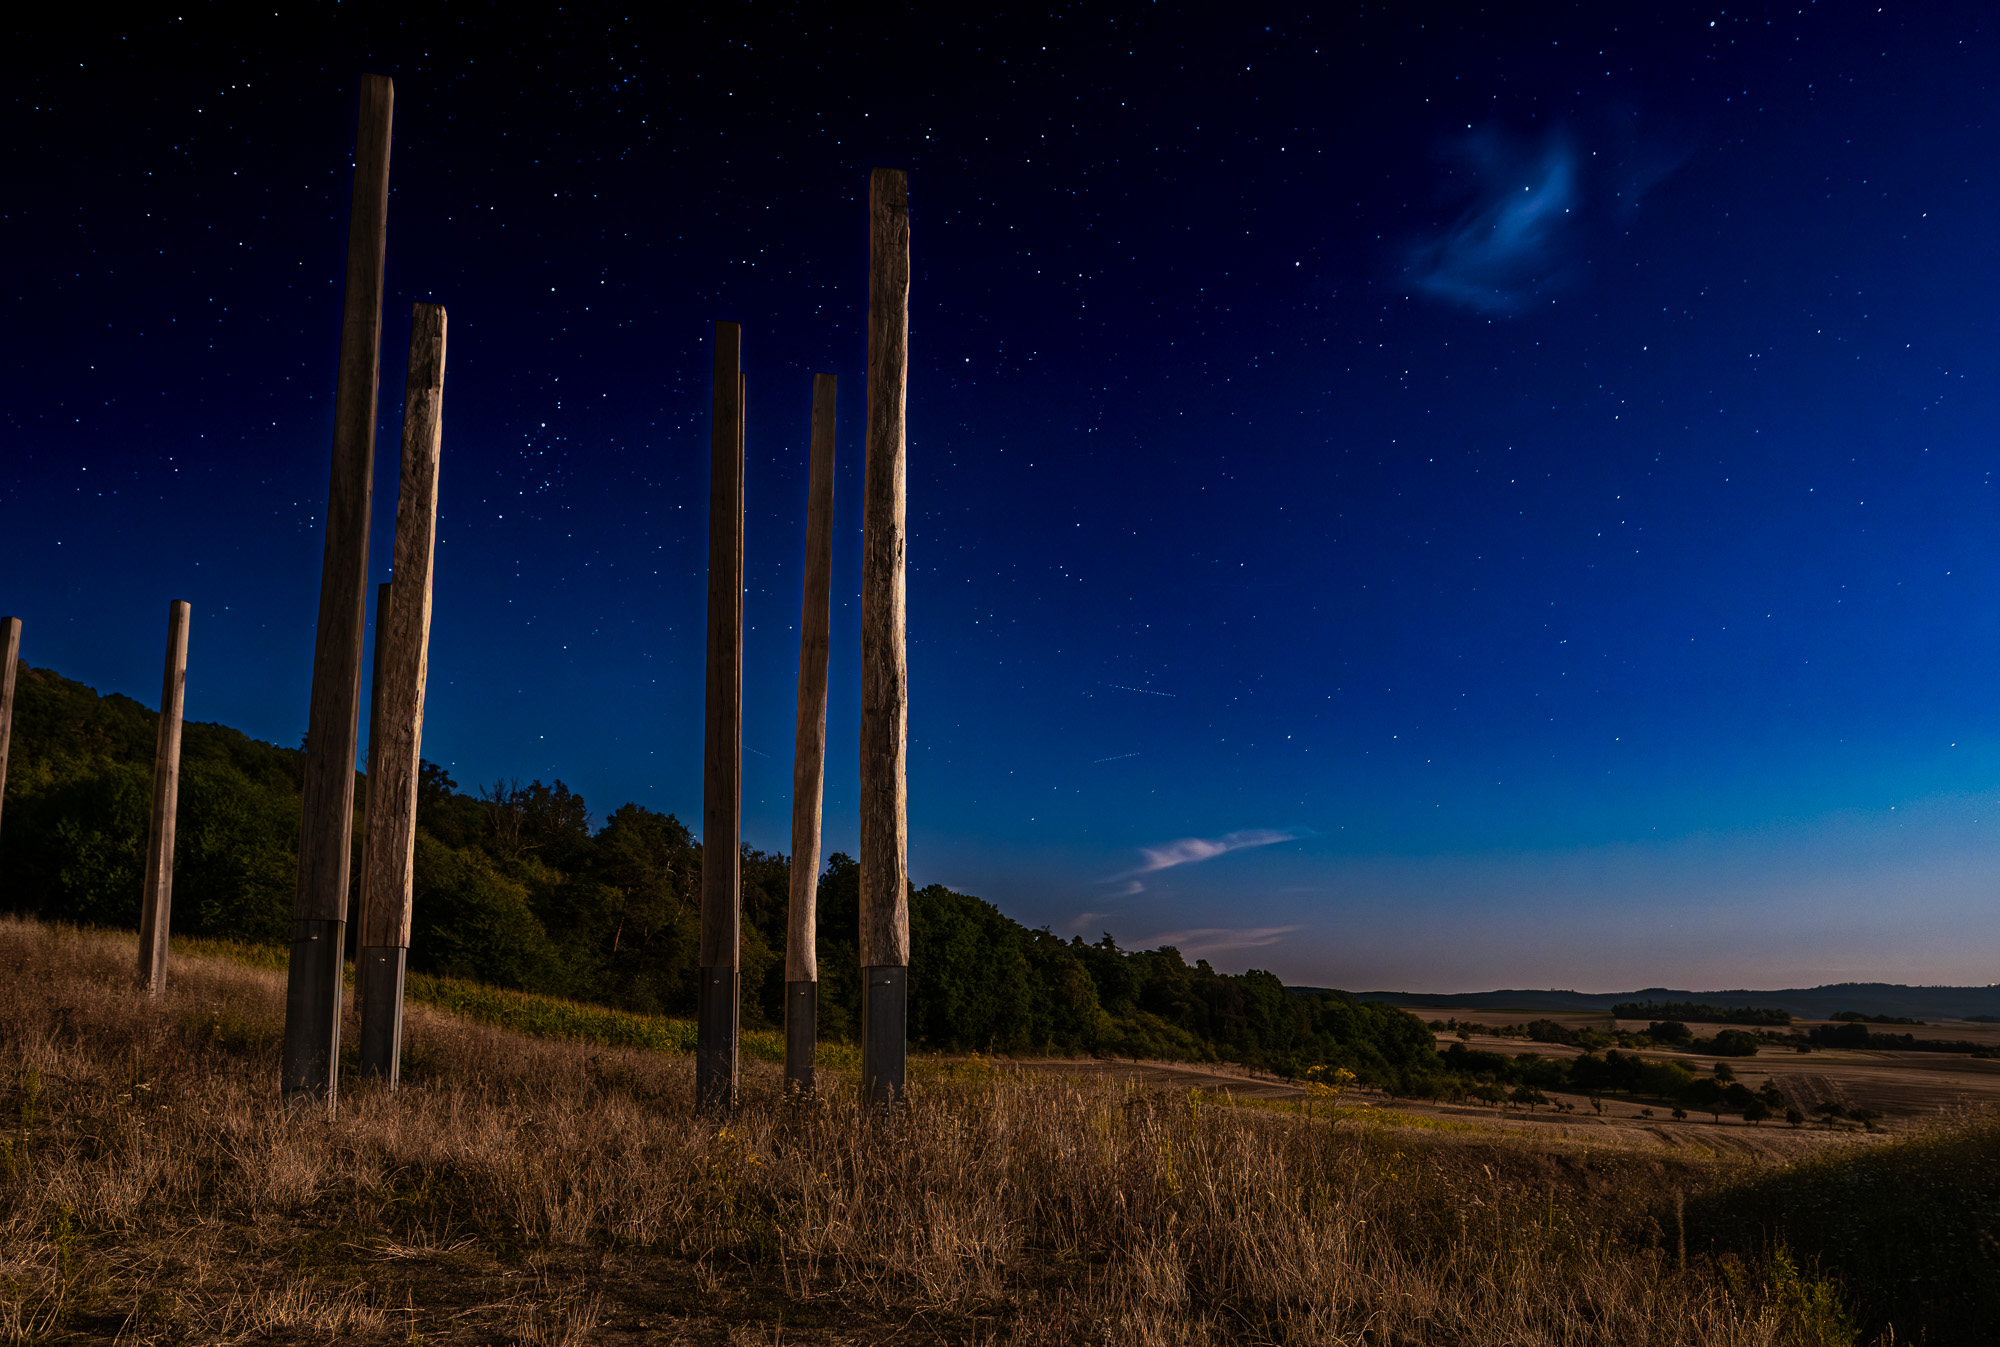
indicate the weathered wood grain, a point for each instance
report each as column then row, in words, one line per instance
column 10, row 653
column 389, row 846
column 809, row 750
column 388, row 854
column 722, row 740
column 319, row 911
column 885, row 904
column 809, row 745
column 156, row 896
column 885, row 912
column 384, row 596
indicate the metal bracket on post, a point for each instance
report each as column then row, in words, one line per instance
column 378, row 981
column 715, row 1049
column 801, row 1034
column 885, row 996
column 312, row 1008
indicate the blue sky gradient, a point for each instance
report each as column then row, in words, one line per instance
column 1398, row 500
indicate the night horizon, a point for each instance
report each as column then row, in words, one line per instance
column 1396, row 504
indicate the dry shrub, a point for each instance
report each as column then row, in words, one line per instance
column 158, row 1190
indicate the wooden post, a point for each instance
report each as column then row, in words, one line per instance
column 885, row 673
column 10, row 651
column 384, row 596
column 388, row 849
column 809, row 752
column 311, row 1064
column 722, row 747
column 156, row 901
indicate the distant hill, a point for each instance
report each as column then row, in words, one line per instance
column 1815, row 1003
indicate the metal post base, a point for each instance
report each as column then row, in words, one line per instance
column 885, row 995
column 801, row 1034
column 311, row 1072
column 378, row 983
column 715, row 1039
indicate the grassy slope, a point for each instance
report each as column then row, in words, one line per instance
column 538, row 1016
column 541, row 1190
column 1912, row 1230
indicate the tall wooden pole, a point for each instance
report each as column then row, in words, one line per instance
column 10, row 651
column 385, row 594
column 311, row 1067
column 885, row 672
column 722, row 746
column 809, row 752
column 388, row 850
column 157, row 899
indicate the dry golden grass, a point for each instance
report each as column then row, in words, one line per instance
column 514, row 1190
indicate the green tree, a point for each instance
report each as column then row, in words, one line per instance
column 1706, row 1095
column 1522, row 1094
column 473, row 921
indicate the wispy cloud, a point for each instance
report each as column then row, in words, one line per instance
column 1189, row 850
column 1204, row 940
column 1507, row 242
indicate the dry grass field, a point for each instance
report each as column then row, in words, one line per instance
column 1907, row 1089
column 520, row 1190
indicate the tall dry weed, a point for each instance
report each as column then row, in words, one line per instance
column 158, row 1191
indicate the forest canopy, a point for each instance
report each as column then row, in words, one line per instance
column 522, row 886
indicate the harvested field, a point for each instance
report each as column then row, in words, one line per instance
column 1903, row 1087
column 1621, row 1125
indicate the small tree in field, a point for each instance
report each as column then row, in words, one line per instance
column 1705, row 1095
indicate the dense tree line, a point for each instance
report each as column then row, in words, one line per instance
column 1857, row 1034
column 1699, row 1012
column 517, row 885
column 1522, row 1079
column 1671, row 1034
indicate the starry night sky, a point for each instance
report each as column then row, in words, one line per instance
column 1397, row 499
